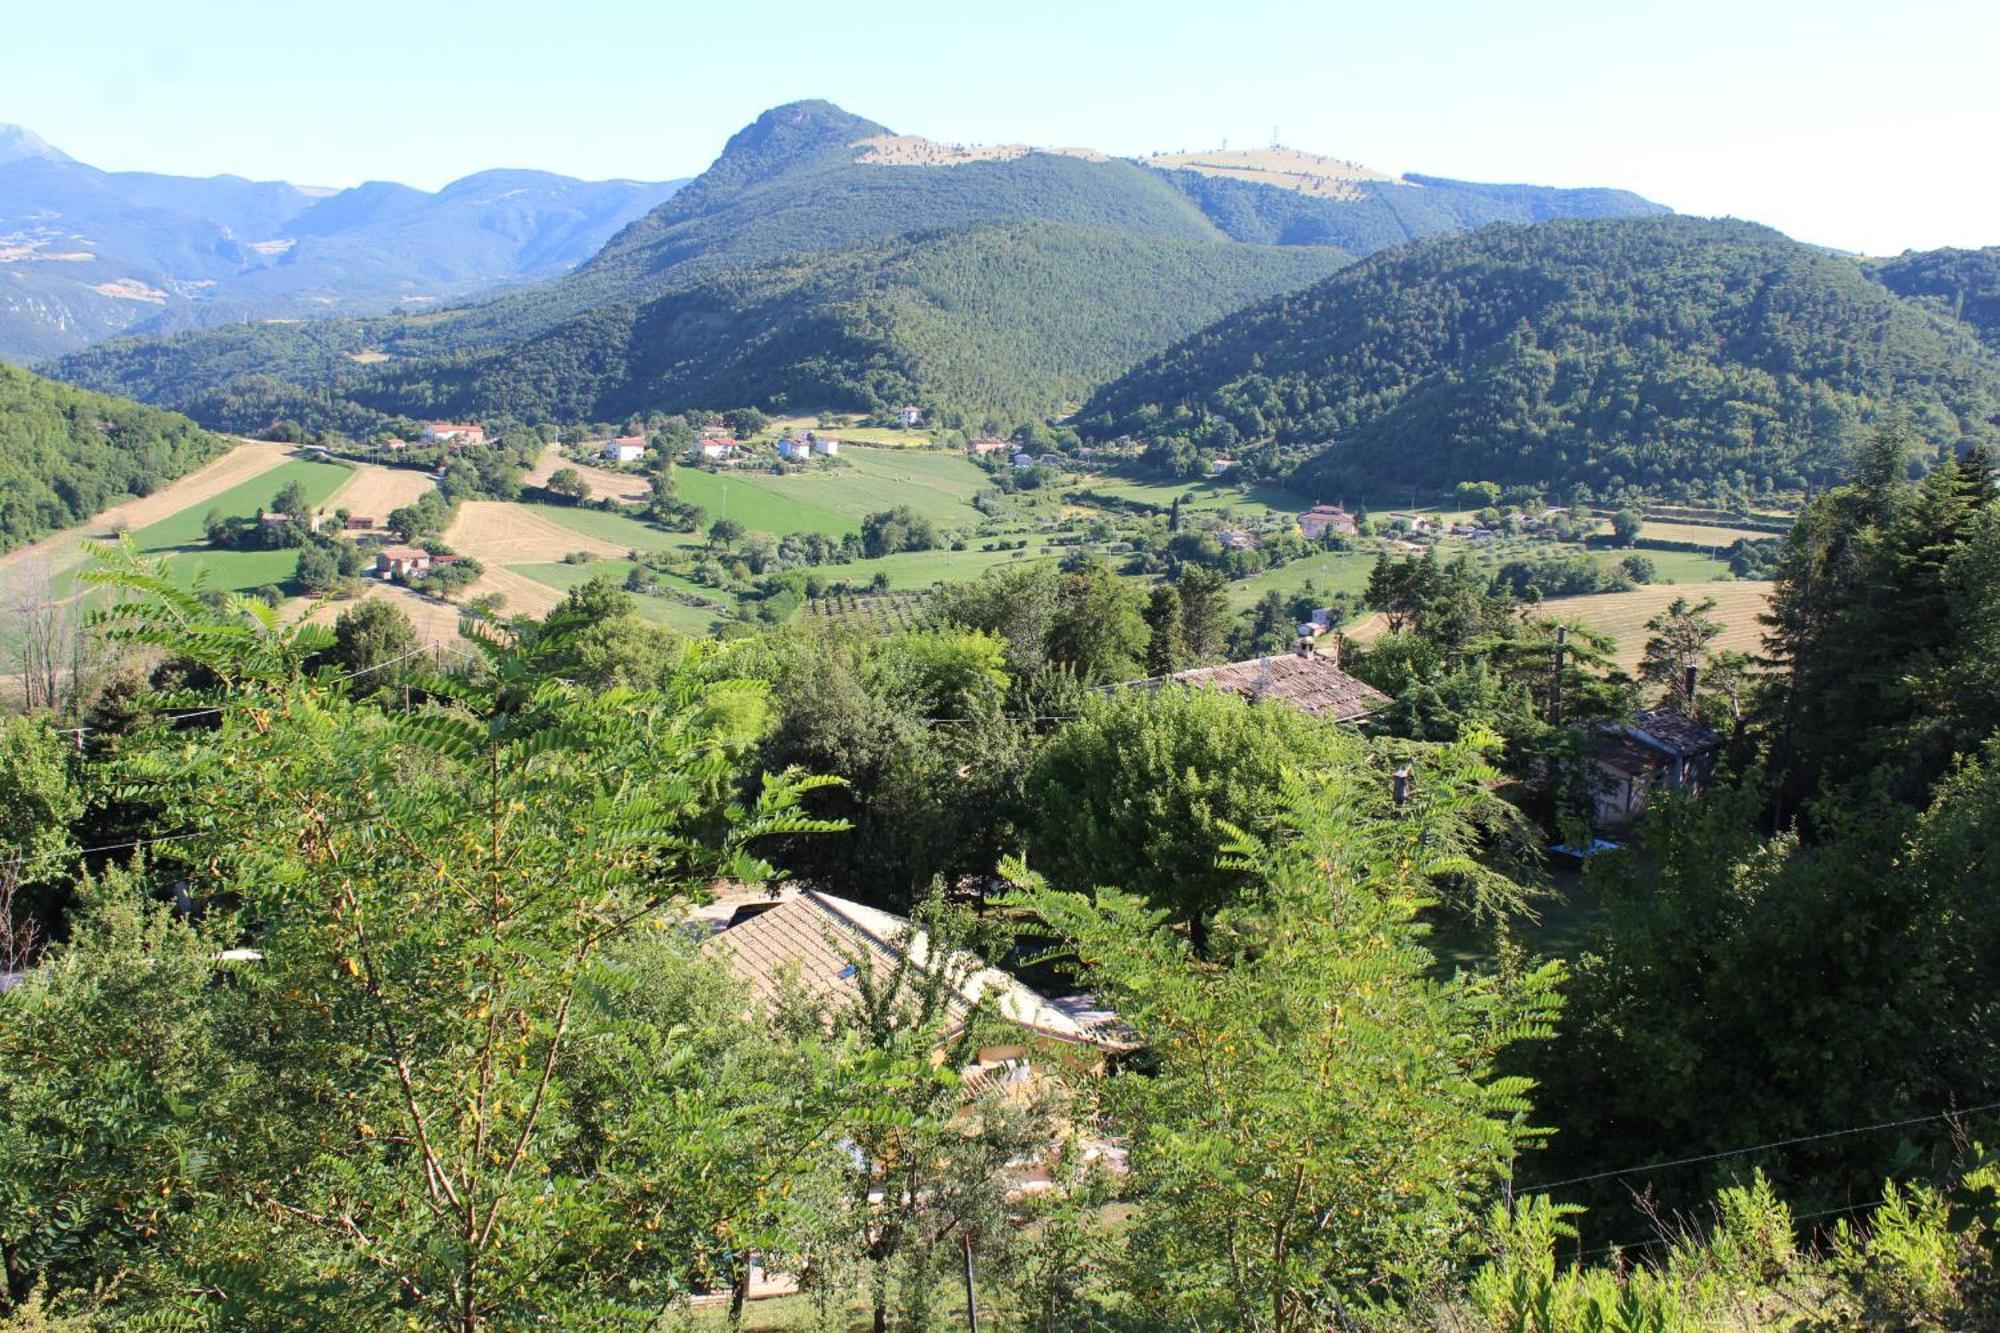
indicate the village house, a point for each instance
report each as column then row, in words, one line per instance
column 1305, row 679
column 1659, row 749
column 625, row 449
column 815, row 945
column 401, row 562
column 1236, row 539
column 445, row 432
column 824, row 445
column 1218, row 466
column 795, row 449
column 1024, row 459
column 395, row 444
column 715, row 448
column 358, row 523
column 1321, row 519
column 988, row 444
column 910, row 415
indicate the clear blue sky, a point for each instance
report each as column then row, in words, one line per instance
column 1865, row 126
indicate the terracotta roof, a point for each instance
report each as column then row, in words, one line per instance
column 816, row 942
column 1311, row 684
column 1675, row 732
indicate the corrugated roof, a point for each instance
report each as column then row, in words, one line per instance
column 817, row 940
column 1311, row 684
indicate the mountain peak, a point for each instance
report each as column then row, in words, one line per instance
column 18, row 143
column 786, row 137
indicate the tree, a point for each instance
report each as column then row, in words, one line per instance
column 1141, row 790
column 1322, row 1118
column 897, row 529
column 319, row 567
column 291, row 501
column 1677, row 643
column 370, row 638
column 1476, row 494
column 1205, row 616
column 1625, row 526
column 568, row 483
column 434, row 898
column 1166, row 643
column 725, row 532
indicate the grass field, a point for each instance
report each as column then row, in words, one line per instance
column 1671, row 566
column 1624, row 614
column 1251, row 501
column 938, row 486
column 887, row 437
column 1333, row 571
column 920, row 569
column 660, row 610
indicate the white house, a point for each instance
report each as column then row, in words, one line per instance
column 825, row 446
column 715, row 449
column 1218, row 466
column 795, row 449
column 625, row 449
column 446, row 432
column 911, row 415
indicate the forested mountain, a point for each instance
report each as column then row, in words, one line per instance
column 1658, row 352
column 85, row 254
column 792, row 236
column 1002, row 320
column 1964, row 284
column 67, row 453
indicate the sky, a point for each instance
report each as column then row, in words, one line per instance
column 1863, row 126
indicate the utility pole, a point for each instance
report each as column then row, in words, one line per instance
column 1556, row 686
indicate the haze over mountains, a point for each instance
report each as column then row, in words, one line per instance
column 87, row 254
column 823, row 259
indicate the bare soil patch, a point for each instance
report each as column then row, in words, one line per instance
column 624, row 487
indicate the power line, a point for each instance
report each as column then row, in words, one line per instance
column 1759, row 1147
column 1657, row 1242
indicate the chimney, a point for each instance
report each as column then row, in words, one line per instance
column 1693, row 674
column 1339, row 642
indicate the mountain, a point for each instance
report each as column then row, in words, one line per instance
column 1660, row 352
column 814, row 221
column 88, row 254
column 67, row 453
column 1964, row 284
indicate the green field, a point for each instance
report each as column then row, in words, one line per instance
column 939, row 486
column 1672, row 566
column 1251, row 501
column 317, row 480
column 660, row 610
column 1333, row 571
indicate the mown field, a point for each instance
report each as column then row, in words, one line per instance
column 938, row 486
column 1624, row 614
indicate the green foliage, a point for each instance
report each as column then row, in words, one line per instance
column 894, row 530
column 1321, row 1121
column 1663, row 354
column 1964, row 284
column 67, row 454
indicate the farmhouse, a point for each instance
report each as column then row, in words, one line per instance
column 817, row 945
column 824, row 445
column 358, row 523
column 1661, row 748
column 715, row 448
column 1322, row 519
column 1304, row 679
column 1236, row 539
column 795, row 449
column 446, row 432
column 625, row 449
column 910, row 415
column 988, row 444
column 400, row 562
column 1218, row 466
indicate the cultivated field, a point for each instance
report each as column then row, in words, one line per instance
column 603, row 483
column 499, row 532
column 374, row 492
column 1706, row 534
column 887, row 437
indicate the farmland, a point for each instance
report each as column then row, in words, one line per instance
column 938, row 486
column 1624, row 614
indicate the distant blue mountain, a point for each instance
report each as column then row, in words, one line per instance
column 88, row 254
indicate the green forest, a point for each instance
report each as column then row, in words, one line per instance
column 67, row 454
column 1655, row 353
column 352, row 979
column 1964, row 284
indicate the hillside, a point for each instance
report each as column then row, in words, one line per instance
column 66, row 453
column 1964, row 284
column 86, row 254
column 1657, row 352
column 772, row 243
column 1004, row 320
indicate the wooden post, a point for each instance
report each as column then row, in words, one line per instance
column 1556, row 689
column 971, row 1304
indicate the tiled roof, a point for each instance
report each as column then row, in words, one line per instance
column 1675, row 732
column 817, row 941
column 1311, row 684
